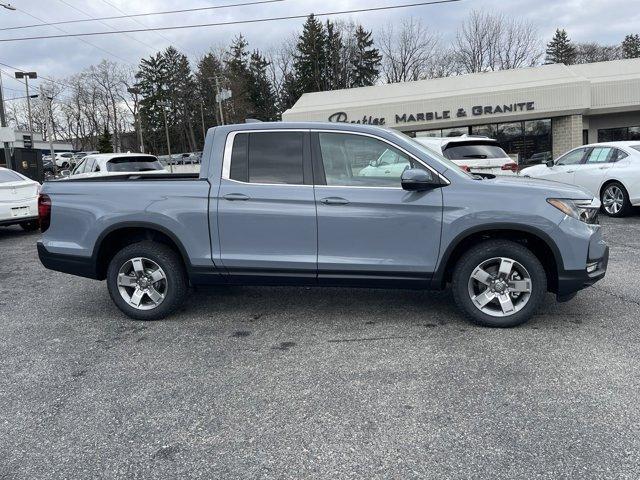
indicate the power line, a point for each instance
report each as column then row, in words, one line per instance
column 81, row 39
column 42, row 77
column 125, row 15
column 234, row 22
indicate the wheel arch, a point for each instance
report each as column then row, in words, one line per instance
column 120, row 235
column 541, row 245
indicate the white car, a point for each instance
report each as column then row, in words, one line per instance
column 116, row 163
column 473, row 153
column 610, row 171
column 18, row 200
column 388, row 164
column 65, row 160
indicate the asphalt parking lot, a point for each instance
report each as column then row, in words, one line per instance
column 297, row 383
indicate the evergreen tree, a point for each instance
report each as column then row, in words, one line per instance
column 366, row 64
column 237, row 79
column 181, row 112
column 104, row 142
column 150, row 82
column 560, row 49
column 209, row 68
column 309, row 59
column 260, row 89
column 631, row 46
column 334, row 65
column 289, row 92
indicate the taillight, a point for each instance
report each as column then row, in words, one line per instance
column 510, row 166
column 44, row 211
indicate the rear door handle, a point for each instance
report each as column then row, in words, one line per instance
column 334, row 201
column 235, row 196
column 570, row 171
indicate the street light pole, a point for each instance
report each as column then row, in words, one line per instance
column 27, row 76
column 219, row 100
column 50, row 130
column 3, row 123
column 166, row 132
column 204, row 131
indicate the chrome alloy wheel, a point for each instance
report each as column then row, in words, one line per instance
column 613, row 199
column 500, row 287
column 142, row 283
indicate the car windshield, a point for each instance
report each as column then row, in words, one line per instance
column 9, row 176
column 433, row 154
column 476, row 150
column 133, row 164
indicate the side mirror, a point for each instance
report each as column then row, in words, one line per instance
column 550, row 163
column 65, row 173
column 416, row 179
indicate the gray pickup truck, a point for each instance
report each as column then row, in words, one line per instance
column 289, row 204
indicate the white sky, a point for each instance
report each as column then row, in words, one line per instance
column 606, row 21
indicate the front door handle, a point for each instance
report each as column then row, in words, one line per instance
column 603, row 168
column 570, row 171
column 235, row 196
column 334, row 201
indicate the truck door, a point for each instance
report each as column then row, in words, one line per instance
column 266, row 207
column 370, row 230
column 591, row 173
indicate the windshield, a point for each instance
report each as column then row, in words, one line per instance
column 133, row 164
column 463, row 152
column 433, row 154
column 9, row 176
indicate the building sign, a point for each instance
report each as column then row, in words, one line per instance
column 475, row 111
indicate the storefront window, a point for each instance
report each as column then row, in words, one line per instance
column 510, row 136
column 634, row 133
column 429, row 133
column 537, row 142
column 490, row 131
column 455, row 132
column 613, row 134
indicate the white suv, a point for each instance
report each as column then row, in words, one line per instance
column 475, row 154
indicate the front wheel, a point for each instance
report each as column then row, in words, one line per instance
column 147, row 280
column 615, row 200
column 499, row 283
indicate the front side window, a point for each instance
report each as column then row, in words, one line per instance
column 79, row 168
column 357, row 160
column 572, row 158
column 268, row 157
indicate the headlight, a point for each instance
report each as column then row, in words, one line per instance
column 583, row 210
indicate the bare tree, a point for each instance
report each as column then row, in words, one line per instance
column 590, row 52
column 408, row 51
column 489, row 42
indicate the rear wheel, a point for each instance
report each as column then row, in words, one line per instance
column 615, row 200
column 147, row 280
column 499, row 283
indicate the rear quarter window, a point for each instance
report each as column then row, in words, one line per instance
column 133, row 164
column 474, row 151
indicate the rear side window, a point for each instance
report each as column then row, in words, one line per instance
column 9, row 176
column 268, row 157
column 474, row 151
column 133, row 164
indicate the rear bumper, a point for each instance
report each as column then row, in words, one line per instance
column 80, row 266
column 572, row 281
column 17, row 221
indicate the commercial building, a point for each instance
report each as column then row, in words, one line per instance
column 535, row 112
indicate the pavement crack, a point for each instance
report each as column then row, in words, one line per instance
column 616, row 295
column 369, row 339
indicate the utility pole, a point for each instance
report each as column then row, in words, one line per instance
column 136, row 114
column 219, row 100
column 27, row 76
column 166, row 131
column 3, row 123
column 204, row 131
column 50, row 130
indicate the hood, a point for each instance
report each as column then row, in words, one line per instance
column 548, row 187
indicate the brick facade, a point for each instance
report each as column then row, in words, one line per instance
column 567, row 133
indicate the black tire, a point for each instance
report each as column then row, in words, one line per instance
column 173, row 267
column 65, row 166
column 626, row 203
column 31, row 226
column 491, row 249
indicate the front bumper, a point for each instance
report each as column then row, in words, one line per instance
column 572, row 281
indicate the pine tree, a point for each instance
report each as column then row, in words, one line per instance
column 237, row 75
column 334, row 66
column 289, row 92
column 366, row 64
column 631, row 46
column 560, row 49
column 260, row 89
column 209, row 68
column 104, row 142
column 309, row 63
column 180, row 88
column 150, row 81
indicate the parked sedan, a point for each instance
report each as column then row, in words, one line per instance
column 116, row 163
column 610, row 171
column 18, row 200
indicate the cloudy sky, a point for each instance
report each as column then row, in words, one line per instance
column 606, row 21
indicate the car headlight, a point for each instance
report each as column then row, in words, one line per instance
column 583, row 210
